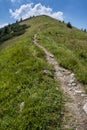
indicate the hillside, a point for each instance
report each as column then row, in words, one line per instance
column 30, row 97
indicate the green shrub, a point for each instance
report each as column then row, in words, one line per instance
column 69, row 25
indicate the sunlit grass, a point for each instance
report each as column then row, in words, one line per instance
column 22, row 81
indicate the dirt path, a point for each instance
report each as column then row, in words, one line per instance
column 77, row 105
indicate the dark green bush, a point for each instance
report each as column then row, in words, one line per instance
column 69, row 25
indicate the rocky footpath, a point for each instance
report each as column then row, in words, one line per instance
column 77, row 105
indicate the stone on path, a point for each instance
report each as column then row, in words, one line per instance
column 52, row 56
column 85, row 108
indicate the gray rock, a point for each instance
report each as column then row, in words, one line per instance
column 72, row 81
column 59, row 74
column 69, row 84
column 83, row 95
column 73, row 84
column 47, row 72
column 70, row 89
column 22, row 106
column 72, row 75
column 85, row 108
column 62, row 69
column 52, row 56
column 78, row 91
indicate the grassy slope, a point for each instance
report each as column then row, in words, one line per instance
column 22, row 81
column 68, row 45
column 22, row 78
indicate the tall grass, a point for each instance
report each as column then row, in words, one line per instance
column 22, row 81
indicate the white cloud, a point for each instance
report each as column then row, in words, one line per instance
column 30, row 9
column 2, row 25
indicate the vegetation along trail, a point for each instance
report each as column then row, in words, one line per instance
column 77, row 105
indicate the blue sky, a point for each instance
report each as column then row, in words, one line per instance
column 67, row 10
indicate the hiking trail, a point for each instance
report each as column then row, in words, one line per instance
column 77, row 105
